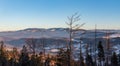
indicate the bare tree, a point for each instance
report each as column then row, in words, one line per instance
column 32, row 44
column 73, row 27
column 43, row 45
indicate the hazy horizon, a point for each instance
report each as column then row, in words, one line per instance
column 50, row 28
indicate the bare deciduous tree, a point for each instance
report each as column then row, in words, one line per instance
column 31, row 43
column 73, row 27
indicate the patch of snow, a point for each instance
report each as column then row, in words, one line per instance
column 54, row 50
column 114, row 35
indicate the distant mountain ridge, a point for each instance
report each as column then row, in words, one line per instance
column 34, row 33
column 49, row 33
column 17, row 38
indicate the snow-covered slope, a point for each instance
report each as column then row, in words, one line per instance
column 114, row 35
column 33, row 33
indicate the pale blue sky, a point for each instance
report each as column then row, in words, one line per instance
column 20, row 14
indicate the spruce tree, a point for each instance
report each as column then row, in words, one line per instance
column 82, row 61
column 101, row 56
column 24, row 58
column 89, row 60
column 114, row 60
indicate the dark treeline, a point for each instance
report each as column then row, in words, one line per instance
column 25, row 58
